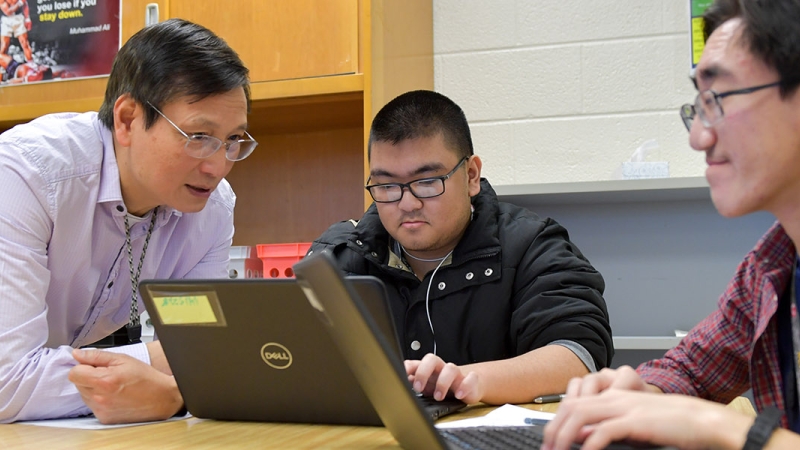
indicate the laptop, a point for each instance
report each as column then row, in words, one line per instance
column 254, row 350
column 381, row 373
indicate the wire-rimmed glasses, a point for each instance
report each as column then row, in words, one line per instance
column 203, row 145
column 708, row 106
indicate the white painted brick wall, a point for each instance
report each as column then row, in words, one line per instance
column 566, row 90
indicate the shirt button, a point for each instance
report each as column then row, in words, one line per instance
column 442, row 285
column 488, row 272
column 110, row 284
column 399, row 266
column 415, row 345
column 120, row 208
column 469, row 275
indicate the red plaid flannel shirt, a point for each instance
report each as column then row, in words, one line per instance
column 736, row 347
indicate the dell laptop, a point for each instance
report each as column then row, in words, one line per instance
column 255, row 350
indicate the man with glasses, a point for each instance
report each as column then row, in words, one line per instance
column 491, row 302
column 92, row 203
column 746, row 119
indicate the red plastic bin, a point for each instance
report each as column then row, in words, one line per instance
column 278, row 259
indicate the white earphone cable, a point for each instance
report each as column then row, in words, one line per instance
column 428, row 297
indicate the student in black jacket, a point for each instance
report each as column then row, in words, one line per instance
column 491, row 302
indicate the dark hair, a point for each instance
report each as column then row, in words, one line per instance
column 770, row 31
column 172, row 59
column 47, row 74
column 422, row 114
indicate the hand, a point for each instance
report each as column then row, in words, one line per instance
column 434, row 378
column 671, row 420
column 28, row 23
column 121, row 389
column 623, row 378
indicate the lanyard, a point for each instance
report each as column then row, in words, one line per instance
column 134, row 327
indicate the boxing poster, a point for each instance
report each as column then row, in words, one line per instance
column 51, row 40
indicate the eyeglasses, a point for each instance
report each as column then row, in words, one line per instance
column 422, row 188
column 708, row 106
column 203, row 145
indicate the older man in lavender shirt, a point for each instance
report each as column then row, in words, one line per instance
column 93, row 202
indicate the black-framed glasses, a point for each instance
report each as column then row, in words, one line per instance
column 708, row 106
column 422, row 188
column 203, row 145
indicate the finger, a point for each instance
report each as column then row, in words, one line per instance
column 469, row 390
column 411, row 365
column 80, row 374
column 426, row 372
column 569, row 426
column 628, row 378
column 448, row 375
column 611, row 430
column 96, row 358
column 574, row 387
column 597, row 382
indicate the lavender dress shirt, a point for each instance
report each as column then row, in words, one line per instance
column 64, row 274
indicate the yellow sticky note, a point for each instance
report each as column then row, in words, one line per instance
column 185, row 309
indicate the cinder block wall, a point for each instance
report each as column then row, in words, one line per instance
column 566, row 90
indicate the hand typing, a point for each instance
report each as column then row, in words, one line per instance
column 433, row 377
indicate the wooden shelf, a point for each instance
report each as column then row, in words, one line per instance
column 282, row 90
column 19, row 104
column 609, row 191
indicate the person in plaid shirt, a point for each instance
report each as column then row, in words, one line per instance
column 746, row 118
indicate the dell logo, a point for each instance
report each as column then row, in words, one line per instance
column 276, row 355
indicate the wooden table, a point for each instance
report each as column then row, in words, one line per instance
column 199, row 434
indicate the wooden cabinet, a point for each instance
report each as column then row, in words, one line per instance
column 283, row 39
column 320, row 70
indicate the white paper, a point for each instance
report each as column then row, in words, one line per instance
column 506, row 415
column 91, row 423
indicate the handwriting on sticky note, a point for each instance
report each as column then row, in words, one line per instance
column 185, row 310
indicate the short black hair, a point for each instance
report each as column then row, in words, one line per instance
column 770, row 31
column 172, row 59
column 422, row 114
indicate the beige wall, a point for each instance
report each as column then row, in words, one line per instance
column 566, row 90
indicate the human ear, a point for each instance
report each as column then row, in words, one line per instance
column 474, row 165
column 126, row 110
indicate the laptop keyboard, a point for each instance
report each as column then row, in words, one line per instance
column 500, row 438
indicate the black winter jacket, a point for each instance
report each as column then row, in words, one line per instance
column 516, row 283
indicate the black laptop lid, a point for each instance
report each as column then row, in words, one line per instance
column 255, row 350
column 382, row 376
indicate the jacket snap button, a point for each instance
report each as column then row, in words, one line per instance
column 415, row 345
column 469, row 275
column 488, row 272
column 442, row 285
column 359, row 243
column 374, row 255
